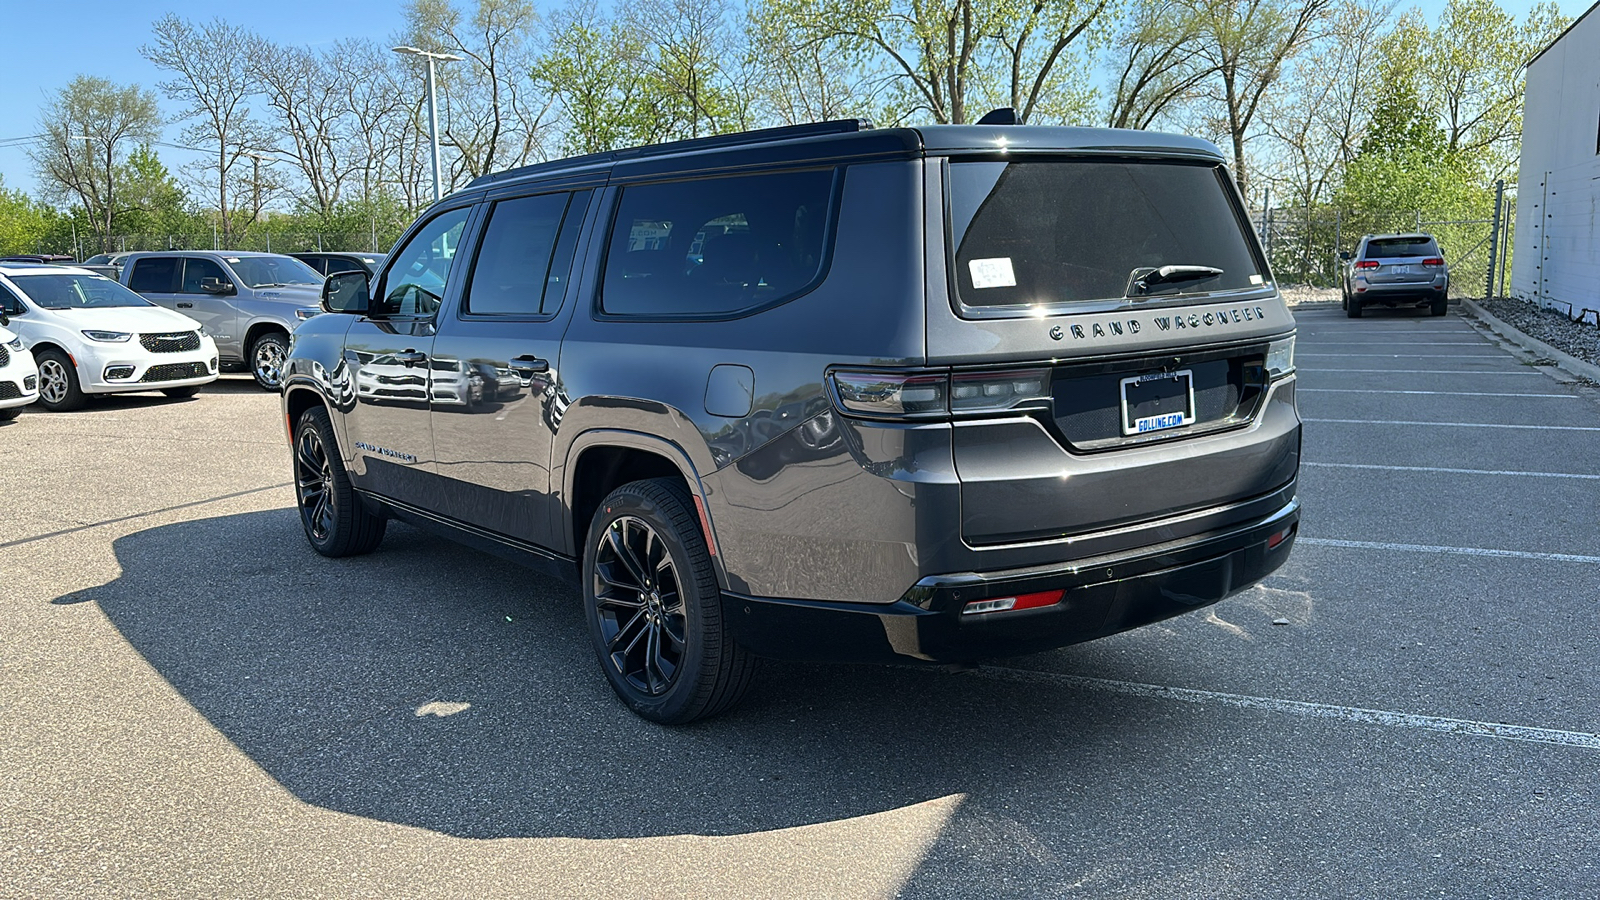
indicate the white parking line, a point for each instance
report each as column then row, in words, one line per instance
column 1456, row 424
column 1495, row 354
column 1448, row 551
column 1429, row 371
column 1359, row 715
column 1435, row 393
column 1443, row 470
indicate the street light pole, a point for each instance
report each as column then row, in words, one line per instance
column 433, row 105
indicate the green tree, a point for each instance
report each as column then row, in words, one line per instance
column 600, row 100
column 944, row 58
column 155, row 202
column 90, row 128
column 26, row 226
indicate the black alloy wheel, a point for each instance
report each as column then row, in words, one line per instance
column 654, row 608
column 640, row 605
column 334, row 518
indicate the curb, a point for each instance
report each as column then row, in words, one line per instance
column 1567, row 361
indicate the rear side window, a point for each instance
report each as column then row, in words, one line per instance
column 717, row 247
column 525, row 255
column 1044, row 233
column 1389, row 248
column 196, row 270
column 154, row 275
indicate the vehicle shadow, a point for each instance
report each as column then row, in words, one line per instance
column 433, row 686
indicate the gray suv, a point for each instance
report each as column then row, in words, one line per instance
column 823, row 392
column 1395, row 270
column 248, row 302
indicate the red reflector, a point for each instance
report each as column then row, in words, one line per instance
column 1435, row 261
column 1014, row 602
column 1367, row 264
column 1276, row 539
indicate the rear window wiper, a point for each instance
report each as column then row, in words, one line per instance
column 1144, row 278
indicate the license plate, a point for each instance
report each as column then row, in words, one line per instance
column 1401, row 270
column 1157, row 401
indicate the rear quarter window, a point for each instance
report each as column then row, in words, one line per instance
column 717, row 247
column 1043, row 233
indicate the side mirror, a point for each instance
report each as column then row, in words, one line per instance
column 1344, row 255
column 346, row 292
column 217, row 286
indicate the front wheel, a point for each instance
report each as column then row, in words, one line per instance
column 58, row 382
column 654, row 609
column 335, row 521
column 267, row 355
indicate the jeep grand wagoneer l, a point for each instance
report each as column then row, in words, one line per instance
column 823, row 392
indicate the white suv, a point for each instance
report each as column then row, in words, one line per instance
column 91, row 335
column 19, row 378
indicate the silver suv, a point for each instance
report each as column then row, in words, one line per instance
column 248, row 302
column 822, row 392
column 1396, row 270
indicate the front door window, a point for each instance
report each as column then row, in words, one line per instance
column 414, row 285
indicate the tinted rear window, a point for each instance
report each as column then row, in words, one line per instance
column 1390, row 248
column 1044, row 233
column 716, row 246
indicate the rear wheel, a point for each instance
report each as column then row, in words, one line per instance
column 334, row 518
column 654, row 609
column 1352, row 308
column 1440, row 306
column 182, row 392
column 58, row 382
column 267, row 355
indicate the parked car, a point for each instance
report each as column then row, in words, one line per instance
column 1395, row 270
column 107, row 264
column 54, row 259
column 90, row 335
column 248, row 302
column 823, row 392
column 334, row 263
column 19, row 377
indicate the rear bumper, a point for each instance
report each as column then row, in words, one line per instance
column 1415, row 292
column 1103, row 596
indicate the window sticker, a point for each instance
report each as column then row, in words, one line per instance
column 992, row 273
column 1255, row 279
column 231, row 259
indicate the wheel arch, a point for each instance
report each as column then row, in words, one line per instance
column 258, row 327
column 601, row 460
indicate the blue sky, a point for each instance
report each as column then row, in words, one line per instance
column 48, row 46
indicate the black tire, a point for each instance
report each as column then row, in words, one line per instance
column 1353, row 308
column 267, row 355
column 334, row 519
column 9, row 413
column 181, row 393
column 58, row 382
column 647, row 578
column 1440, row 306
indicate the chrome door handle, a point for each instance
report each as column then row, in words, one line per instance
column 411, row 358
column 529, row 365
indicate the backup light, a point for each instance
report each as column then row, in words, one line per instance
column 1280, row 358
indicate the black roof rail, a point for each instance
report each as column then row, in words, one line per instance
column 734, row 139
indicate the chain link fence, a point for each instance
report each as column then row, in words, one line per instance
column 1303, row 244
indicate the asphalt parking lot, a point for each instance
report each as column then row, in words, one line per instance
column 195, row 704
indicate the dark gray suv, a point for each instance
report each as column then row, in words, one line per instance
column 823, row 392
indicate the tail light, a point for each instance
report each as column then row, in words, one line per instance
column 1433, row 261
column 1367, row 264
column 929, row 395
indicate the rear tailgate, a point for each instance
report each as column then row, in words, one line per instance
column 1041, row 267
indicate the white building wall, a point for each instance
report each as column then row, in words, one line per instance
column 1556, row 245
